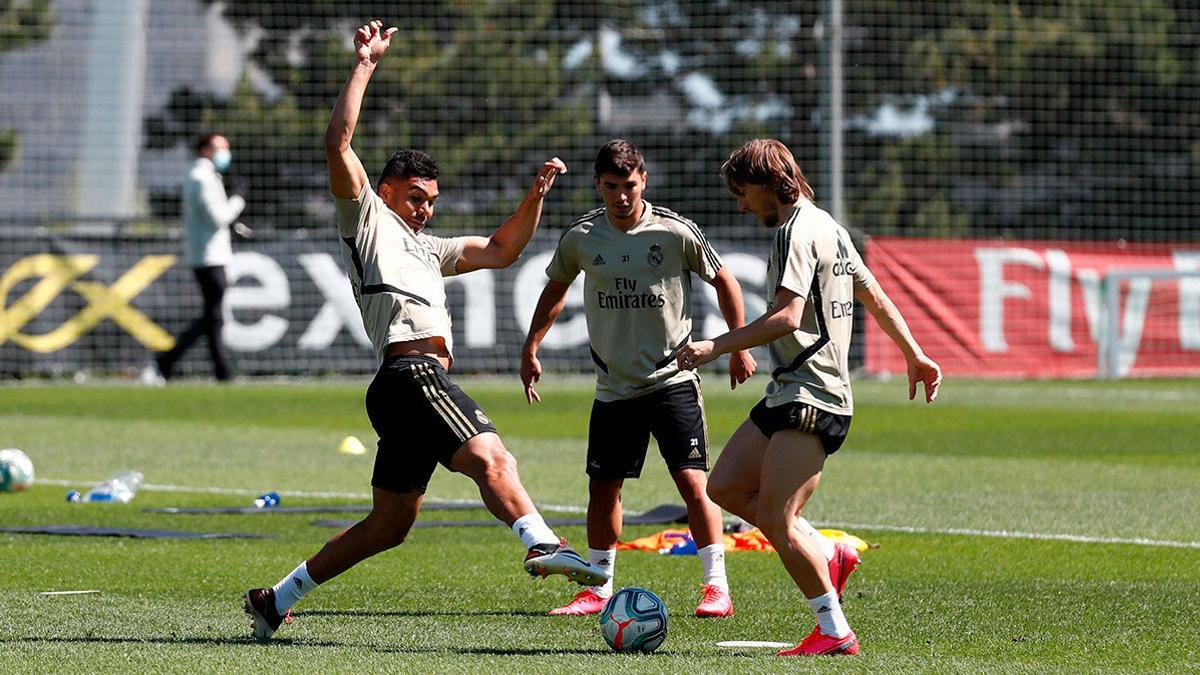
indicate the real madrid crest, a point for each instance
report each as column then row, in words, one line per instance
column 655, row 256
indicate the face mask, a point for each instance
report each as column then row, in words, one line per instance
column 221, row 159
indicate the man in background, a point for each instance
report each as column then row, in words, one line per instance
column 209, row 215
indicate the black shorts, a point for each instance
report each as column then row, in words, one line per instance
column 619, row 432
column 831, row 428
column 421, row 418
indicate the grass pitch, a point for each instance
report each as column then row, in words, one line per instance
column 1021, row 527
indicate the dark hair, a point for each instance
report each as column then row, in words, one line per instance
column 409, row 163
column 766, row 161
column 204, row 140
column 619, row 157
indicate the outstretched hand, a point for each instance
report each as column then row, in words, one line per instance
column 371, row 41
column 547, row 174
column 924, row 369
column 531, row 373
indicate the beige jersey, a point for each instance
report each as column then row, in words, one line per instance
column 637, row 295
column 396, row 273
column 814, row 257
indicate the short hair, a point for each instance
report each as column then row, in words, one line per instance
column 619, row 157
column 409, row 163
column 766, row 161
column 204, row 140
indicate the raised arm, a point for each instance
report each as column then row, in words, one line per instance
column 509, row 240
column 783, row 318
column 729, row 298
column 346, row 173
column 550, row 305
column 921, row 368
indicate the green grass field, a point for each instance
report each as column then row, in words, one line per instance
column 934, row 486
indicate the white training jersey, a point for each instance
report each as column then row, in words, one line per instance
column 814, row 257
column 637, row 294
column 396, row 273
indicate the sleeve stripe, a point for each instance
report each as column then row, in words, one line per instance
column 709, row 253
column 581, row 220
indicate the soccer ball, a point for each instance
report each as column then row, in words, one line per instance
column 16, row 470
column 634, row 620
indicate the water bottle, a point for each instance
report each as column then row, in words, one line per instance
column 120, row 488
column 267, row 500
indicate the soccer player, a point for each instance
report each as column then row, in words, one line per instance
column 771, row 466
column 422, row 418
column 637, row 260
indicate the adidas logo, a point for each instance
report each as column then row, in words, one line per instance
column 598, row 260
column 844, row 266
column 299, row 584
column 824, row 608
column 695, row 454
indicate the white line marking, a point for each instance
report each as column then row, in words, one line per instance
column 185, row 489
column 753, row 643
column 1006, row 534
column 68, row 592
column 571, row 508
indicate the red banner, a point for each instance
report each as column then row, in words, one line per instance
column 1036, row 308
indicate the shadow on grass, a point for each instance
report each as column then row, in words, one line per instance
column 493, row 651
column 409, row 612
column 251, row 642
column 164, row 640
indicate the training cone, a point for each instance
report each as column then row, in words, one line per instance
column 350, row 445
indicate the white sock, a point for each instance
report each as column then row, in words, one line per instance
column 829, row 615
column 824, row 542
column 291, row 588
column 533, row 530
column 712, row 557
column 605, row 559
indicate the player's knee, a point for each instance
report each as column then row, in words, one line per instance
column 498, row 464
column 720, row 492
column 774, row 522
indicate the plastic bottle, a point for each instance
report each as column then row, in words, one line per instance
column 120, row 488
column 267, row 500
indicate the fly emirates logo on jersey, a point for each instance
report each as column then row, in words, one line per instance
column 628, row 297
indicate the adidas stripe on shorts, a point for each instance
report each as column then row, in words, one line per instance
column 619, row 432
column 421, row 418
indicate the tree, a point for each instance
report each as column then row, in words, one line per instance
column 20, row 23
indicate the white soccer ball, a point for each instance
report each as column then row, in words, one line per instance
column 634, row 620
column 16, row 470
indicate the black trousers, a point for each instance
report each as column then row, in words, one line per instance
column 212, row 288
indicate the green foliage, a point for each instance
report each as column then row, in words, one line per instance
column 1059, row 114
column 21, row 22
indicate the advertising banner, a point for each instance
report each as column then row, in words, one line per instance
column 1037, row 308
column 72, row 304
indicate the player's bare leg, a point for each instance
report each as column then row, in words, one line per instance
column 391, row 517
column 704, row 520
column 494, row 470
column 604, row 515
column 733, row 483
column 386, row 526
column 791, row 471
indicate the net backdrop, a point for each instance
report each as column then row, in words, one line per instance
column 969, row 121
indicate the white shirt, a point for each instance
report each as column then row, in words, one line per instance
column 207, row 215
column 395, row 273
